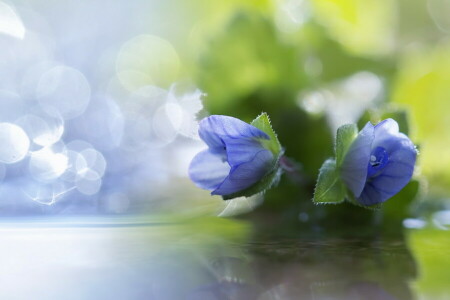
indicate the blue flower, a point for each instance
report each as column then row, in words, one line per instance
column 379, row 163
column 236, row 157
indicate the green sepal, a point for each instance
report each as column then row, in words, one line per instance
column 329, row 187
column 345, row 136
column 262, row 122
column 268, row 181
column 272, row 177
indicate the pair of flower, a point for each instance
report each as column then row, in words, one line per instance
column 243, row 159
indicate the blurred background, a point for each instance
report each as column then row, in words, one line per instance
column 99, row 102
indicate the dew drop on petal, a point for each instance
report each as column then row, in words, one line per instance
column 378, row 160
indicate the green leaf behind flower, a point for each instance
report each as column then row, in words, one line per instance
column 346, row 134
column 329, row 187
column 262, row 122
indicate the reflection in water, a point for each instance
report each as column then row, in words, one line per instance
column 430, row 249
column 193, row 259
column 224, row 291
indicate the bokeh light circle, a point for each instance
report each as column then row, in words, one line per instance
column 66, row 89
column 88, row 182
column 11, row 106
column 14, row 143
column 44, row 127
column 91, row 159
column 10, row 22
column 145, row 60
column 48, row 163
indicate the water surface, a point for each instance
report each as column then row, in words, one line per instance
column 214, row 258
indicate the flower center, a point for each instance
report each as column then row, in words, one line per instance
column 378, row 161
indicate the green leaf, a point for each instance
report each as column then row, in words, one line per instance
column 329, row 187
column 346, row 134
column 262, row 122
column 272, row 177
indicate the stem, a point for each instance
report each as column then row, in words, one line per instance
column 292, row 169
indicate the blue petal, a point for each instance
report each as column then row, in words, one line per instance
column 385, row 130
column 399, row 169
column 208, row 170
column 240, row 151
column 216, row 130
column 371, row 195
column 354, row 166
column 388, row 126
column 246, row 174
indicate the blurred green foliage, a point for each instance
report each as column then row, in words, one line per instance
column 364, row 27
column 248, row 60
column 423, row 85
